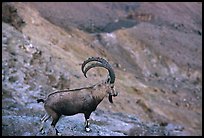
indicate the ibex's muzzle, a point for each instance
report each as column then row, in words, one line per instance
column 115, row 94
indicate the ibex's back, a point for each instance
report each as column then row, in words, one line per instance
column 82, row 100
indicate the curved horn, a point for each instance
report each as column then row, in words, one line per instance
column 99, row 59
column 103, row 63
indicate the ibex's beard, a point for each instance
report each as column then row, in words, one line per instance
column 110, row 98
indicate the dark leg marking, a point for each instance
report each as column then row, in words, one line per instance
column 87, row 115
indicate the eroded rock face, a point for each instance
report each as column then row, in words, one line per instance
column 10, row 15
column 26, row 74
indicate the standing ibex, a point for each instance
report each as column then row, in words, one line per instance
column 83, row 100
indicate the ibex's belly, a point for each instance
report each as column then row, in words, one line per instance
column 69, row 111
column 74, row 109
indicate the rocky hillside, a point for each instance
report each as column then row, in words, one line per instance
column 154, row 48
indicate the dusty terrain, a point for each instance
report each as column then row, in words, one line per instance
column 154, row 48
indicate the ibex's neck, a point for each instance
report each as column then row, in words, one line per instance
column 99, row 91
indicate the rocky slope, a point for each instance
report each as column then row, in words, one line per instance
column 157, row 60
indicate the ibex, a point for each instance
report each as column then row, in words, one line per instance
column 82, row 100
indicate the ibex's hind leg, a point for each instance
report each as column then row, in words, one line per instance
column 43, row 120
column 55, row 118
column 87, row 115
column 44, row 117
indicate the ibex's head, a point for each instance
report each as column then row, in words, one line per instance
column 100, row 62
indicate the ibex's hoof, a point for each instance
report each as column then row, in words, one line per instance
column 42, row 132
column 59, row 134
column 87, row 129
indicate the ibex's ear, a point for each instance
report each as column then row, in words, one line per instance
column 108, row 80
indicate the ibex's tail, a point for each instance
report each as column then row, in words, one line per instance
column 40, row 100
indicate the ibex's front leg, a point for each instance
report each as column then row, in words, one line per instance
column 87, row 115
